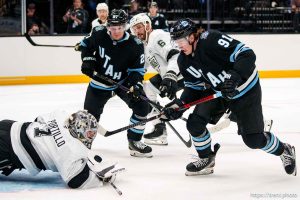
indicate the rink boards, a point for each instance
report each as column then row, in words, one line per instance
column 22, row 63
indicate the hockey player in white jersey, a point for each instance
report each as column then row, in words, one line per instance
column 102, row 13
column 57, row 142
column 162, row 57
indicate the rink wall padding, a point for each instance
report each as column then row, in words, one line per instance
column 21, row 63
column 84, row 79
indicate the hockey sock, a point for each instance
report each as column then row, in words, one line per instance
column 274, row 145
column 137, row 132
column 202, row 144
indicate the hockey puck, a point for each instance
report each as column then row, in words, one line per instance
column 97, row 158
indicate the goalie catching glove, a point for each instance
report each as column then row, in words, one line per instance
column 171, row 112
column 105, row 170
column 168, row 86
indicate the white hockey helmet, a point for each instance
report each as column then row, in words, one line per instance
column 102, row 6
column 139, row 18
column 82, row 126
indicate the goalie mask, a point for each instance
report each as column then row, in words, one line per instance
column 82, row 126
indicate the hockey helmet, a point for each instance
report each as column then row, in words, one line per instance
column 182, row 28
column 117, row 17
column 82, row 126
column 139, row 18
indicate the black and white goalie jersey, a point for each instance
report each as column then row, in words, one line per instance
column 217, row 53
column 115, row 59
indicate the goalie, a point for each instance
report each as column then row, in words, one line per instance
column 56, row 142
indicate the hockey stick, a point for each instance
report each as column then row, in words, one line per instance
column 106, row 133
column 220, row 125
column 122, row 87
column 153, row 104
column 156, row 105
column 43, row 45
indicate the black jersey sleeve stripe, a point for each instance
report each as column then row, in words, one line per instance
column 80, row 178
column 29, row 148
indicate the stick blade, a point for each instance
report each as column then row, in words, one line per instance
column 27, row 36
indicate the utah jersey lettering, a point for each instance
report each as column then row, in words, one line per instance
column 217, row 63
column 129, row 52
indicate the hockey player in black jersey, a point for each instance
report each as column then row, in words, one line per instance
column 115, row 54
column 228, row 66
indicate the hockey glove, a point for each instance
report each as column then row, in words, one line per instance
column 170, row 112
column 135, row 91
column 229, row 87
column 168, row 86
column 88, row 67
column 78, row 46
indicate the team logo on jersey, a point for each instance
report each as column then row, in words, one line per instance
column 41, row 132
column 204, row 35
column 98, row 28
column 137, row 40
column 110, row 70
column 153, row 62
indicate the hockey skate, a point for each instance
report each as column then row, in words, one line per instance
column 203, row 166
column 288, row 158
column 158, row 136
column 139, row 149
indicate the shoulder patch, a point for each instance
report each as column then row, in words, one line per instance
column 204, row 35
column 98, row 28
column 137, row 40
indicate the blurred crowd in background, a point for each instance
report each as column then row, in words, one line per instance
column 76, row 16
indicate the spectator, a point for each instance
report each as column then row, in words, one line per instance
column 134, row 8
column 76, row 17
column 295, row 5
column 102, row 13
column 158, row 20
column 34, row 24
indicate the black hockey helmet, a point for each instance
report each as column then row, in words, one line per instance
column 117, row 17
column 182, row 28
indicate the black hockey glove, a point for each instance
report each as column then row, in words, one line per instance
column 88, row 67
column 170, row 112
column 229, row 87
column 135, row 91
column 168, row 86
column 78, row 47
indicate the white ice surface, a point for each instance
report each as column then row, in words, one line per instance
column 240, row 172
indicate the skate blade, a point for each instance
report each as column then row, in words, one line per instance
column 155, row 141
column 203, row 172
column 138, row 154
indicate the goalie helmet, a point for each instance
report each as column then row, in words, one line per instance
column 82, row 126
column 182, row 28
column 117, row 17
column 139, row 18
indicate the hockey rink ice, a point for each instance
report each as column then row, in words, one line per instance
column 240, row 173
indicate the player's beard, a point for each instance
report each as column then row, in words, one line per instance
column 142, row 36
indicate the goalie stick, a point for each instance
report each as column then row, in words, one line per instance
column 29, row 39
